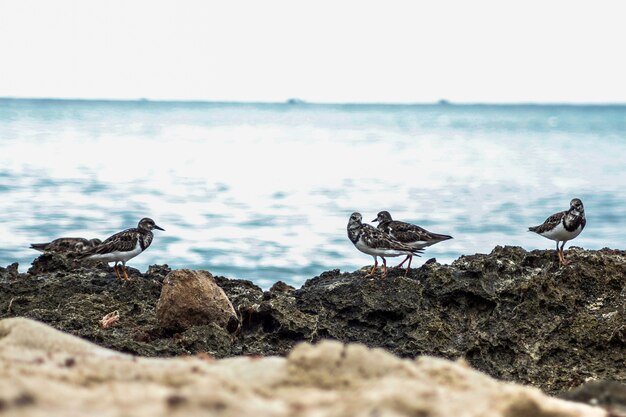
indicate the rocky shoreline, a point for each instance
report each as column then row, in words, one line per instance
column 512, row 314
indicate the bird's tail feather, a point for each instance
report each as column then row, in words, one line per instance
column 39, row 246
column 440, row 238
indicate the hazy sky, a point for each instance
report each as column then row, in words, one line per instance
column 322, row 51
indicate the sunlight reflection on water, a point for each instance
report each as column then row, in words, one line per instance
column 263, row 192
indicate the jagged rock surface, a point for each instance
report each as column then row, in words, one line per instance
column 512, row 314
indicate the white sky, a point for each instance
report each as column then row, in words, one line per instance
column 321, row 51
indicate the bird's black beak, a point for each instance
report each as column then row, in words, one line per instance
column 375, row 220
column 159, row 228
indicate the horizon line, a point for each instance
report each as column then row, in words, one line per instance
column 299, row 102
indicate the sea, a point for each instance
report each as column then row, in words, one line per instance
column 263, row 191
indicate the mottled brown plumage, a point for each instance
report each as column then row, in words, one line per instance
column 124, row 241
column 67, row 245
column 563, row 226
column 407, row 233
column 375, row 242
column 549, row 224
column 124, row 245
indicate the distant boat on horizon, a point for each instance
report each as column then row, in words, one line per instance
column 295, row 101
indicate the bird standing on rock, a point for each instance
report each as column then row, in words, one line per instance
column 563, row 226
column 409, row 234
column 376, row 243
column 124, row 245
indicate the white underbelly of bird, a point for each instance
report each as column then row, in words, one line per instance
column 117, row 256
column 560, row 233
column 378, row 252
column 420, row 244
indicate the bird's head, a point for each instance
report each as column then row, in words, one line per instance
column 382, row 217
column 94, row 242
column 355, row 220
column 576, row 206
column 148, row 224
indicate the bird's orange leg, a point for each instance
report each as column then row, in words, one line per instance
column 408, row 267
column 384, row 268
column 125, row 274
column 117, row 272
column 373, row 270
column 563, row 260
column 402, row 263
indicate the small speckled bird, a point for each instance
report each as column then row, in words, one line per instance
column 407, row 233
column 124, row 245
column 563, row 226
column 66, row 245
column 376, row 243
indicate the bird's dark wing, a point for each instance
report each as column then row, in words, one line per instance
column 62, row 245
column 123, row 241
column 406, row 232
column 549, row 224
column 378, row 239
column 70, row 244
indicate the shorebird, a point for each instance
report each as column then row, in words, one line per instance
column 124, row 245
column 407, row 233
column 66, row 245
column 563, row 226
column 376, row 243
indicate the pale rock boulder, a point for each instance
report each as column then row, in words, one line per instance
column 192, row 298
column 44, row 372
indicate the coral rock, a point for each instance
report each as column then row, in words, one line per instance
column 191, row 298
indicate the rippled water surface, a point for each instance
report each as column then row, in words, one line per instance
column 264, row 191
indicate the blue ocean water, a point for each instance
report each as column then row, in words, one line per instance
column 264, row 191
